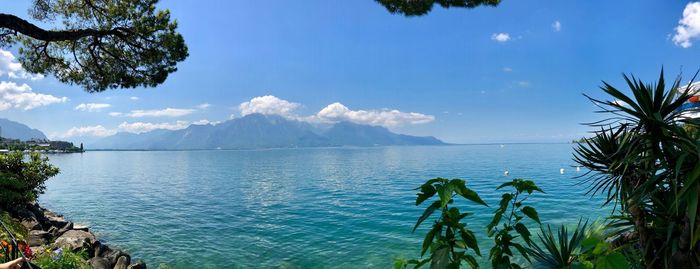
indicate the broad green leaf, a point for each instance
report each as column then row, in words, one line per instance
column 440, row 258
column 467, row 193
column 505, row 199
column 428, row 211
column 445, row 193
column 497, row 215
column 505, row 185
column 523, row 231
column 437, row 228
column 427, row 191
column 612, row 261
column 531, row 213
column 470, row 240
column 471, row 261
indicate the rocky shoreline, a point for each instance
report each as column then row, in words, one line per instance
column 46, row 227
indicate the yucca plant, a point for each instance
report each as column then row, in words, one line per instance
column 645, row 162
column 558, row 251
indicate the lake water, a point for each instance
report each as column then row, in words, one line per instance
column 294, row 208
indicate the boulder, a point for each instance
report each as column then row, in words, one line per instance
column 57, row 221
column 137, row 265
column 122, row 262
column 75, row 239
column 37, row 238
column 99, row 263
column 28, row 219
column 65, row 228
column 31, row 224
column 80, row 227
column 53, row 231
column 113, row 255
column 97, row 249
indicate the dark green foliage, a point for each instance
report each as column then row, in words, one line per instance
column 645, row 161
column 558, row 251
column 511, row 227
column 422, row 7
column 102, row 44
column 22, row 181
column 449, row 240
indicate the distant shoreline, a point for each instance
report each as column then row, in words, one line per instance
column 340, row 147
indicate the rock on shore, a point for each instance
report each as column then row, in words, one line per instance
column 45, row 226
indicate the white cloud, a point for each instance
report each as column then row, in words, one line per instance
column 507, row 69
column 689, row 26
column 116, row 114
column 556, row 26
column 269, row 105
column 13, row 69
column 97, row 130
column 167, row 112
column 337, row 112
column 204, row 106
column 143, row 127
column 134, row 98
column 23, row 97
column 500, row 37
column 205, row 122
column 524, row 83
column 92, row 107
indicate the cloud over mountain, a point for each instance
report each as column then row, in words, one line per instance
column 333, row 113
column 268, row 105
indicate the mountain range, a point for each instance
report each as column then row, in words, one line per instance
column 261, row 131
column 16, row 130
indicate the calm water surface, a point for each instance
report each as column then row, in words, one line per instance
column 293, row 208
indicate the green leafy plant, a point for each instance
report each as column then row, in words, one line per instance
column 512, row 208
column 22, row 181
column 62, row 259
column 560, row 250
column 644, row 159
column 449, row 240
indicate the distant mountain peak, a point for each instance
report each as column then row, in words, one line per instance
column 16, row 130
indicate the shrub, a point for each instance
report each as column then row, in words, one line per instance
column 22, row 181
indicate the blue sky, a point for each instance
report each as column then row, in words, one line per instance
column 504, row 74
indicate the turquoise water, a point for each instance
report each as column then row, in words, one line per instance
column 293, row 208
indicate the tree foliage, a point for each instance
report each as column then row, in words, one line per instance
column 422, row 7
column 102, row 44
column 645, row 162
column 22, row 181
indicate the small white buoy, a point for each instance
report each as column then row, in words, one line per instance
column 561, row 171
column 578, row 168
column 502, row 145
column 506, row 173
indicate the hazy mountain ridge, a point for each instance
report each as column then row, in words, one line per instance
column 16, row 130
column 261, row 131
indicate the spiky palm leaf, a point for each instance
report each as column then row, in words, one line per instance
column 644, row 160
